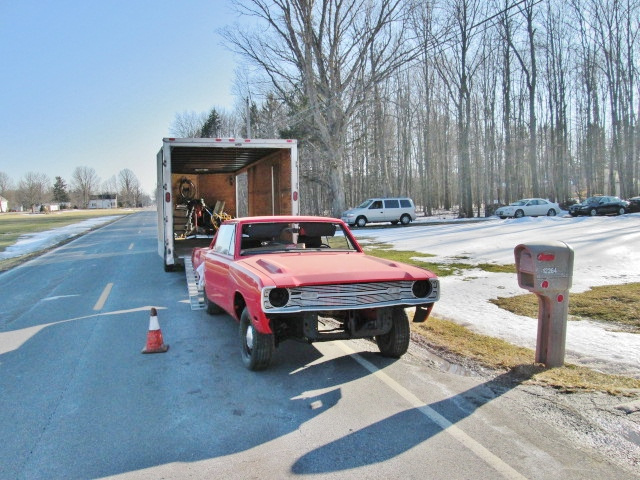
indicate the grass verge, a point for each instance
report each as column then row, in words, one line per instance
column 497, row 354
column 617, row 304
column 14, row 225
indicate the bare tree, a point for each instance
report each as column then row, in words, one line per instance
column 34, row 189
column 323, row 52
column 5, row 186
column 188, row 124
column 84, row 182
column 129, row 187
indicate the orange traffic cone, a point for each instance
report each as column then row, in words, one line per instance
column 155, row 343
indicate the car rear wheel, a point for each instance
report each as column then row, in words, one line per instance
column 396, row 342
column 593, row 212
column 621, row 211
column 211, row 307
column 551, row 212
column 361, row 222
column 519, row 214
column 256, row 348
column 405, row 219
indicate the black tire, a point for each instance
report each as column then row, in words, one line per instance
column 519, row 214
column 212, row 308
column 405, row 219
column 256, row 348
column 552, row 212
column 574, row 214
column 621, row 211
column 361, row 222
column 396, row 343
column 593, row 212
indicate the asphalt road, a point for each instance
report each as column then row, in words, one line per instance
column 79, row 400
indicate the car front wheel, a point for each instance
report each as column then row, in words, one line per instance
column 395, row 343
column 256, row 348
column 519, row 214
column 361, row 222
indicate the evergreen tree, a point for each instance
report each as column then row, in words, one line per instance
column 211, row 128
column 60, row 194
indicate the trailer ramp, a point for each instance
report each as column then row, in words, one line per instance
column 196, row 294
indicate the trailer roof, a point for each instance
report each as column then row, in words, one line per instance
column 209, row 155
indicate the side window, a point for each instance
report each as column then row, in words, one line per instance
column 391, row 204
column 404, row 203
column 225, row 240
column 376, row 204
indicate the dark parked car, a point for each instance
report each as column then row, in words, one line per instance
column 601, row 205
column 634, row 205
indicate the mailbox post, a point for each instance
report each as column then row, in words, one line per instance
column 546, row 269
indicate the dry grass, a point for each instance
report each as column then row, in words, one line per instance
column 617, row 305
column 498, row 354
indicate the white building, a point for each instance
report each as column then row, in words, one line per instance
column 4, row 204
column 106, row 200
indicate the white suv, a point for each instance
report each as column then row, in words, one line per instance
column 392, row 210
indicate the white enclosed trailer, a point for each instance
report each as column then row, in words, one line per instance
column 243, row 177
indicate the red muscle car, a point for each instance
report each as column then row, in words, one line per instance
column 308, row 278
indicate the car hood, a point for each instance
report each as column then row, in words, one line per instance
column 314, row 268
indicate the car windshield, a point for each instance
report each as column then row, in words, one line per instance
column 365, row 204
column 259, row 238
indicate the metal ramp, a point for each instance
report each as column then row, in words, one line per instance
column 196, row 295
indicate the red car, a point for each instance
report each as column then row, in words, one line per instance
column 307, row 278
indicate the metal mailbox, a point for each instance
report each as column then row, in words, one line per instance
column 546, row 269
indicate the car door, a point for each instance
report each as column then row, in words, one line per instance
column 375, row 212
column 605, row 205
column 391, row 210
column 216, row 268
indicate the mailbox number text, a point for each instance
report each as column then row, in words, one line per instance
column 550, row 270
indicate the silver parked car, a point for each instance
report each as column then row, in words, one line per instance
column 395, row 210
column 532, row 207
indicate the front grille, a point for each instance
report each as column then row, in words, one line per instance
column 350, row 296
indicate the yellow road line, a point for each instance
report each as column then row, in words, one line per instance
column 103, row 297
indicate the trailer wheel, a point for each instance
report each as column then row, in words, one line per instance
column 396, row 343
column 212, row 308
column 256, row 348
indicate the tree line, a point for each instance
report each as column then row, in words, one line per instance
column 36, row 189
column 460, row 104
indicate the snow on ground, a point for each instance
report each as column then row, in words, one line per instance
column 607, row 252
column 34, row 242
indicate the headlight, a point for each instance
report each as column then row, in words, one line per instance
column 278, row 297
column 421, row 288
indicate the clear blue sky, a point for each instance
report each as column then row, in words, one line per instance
column 98, row 83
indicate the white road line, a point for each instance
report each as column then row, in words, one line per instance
column 504, row 469
column 131, row 246
column 103, row 297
